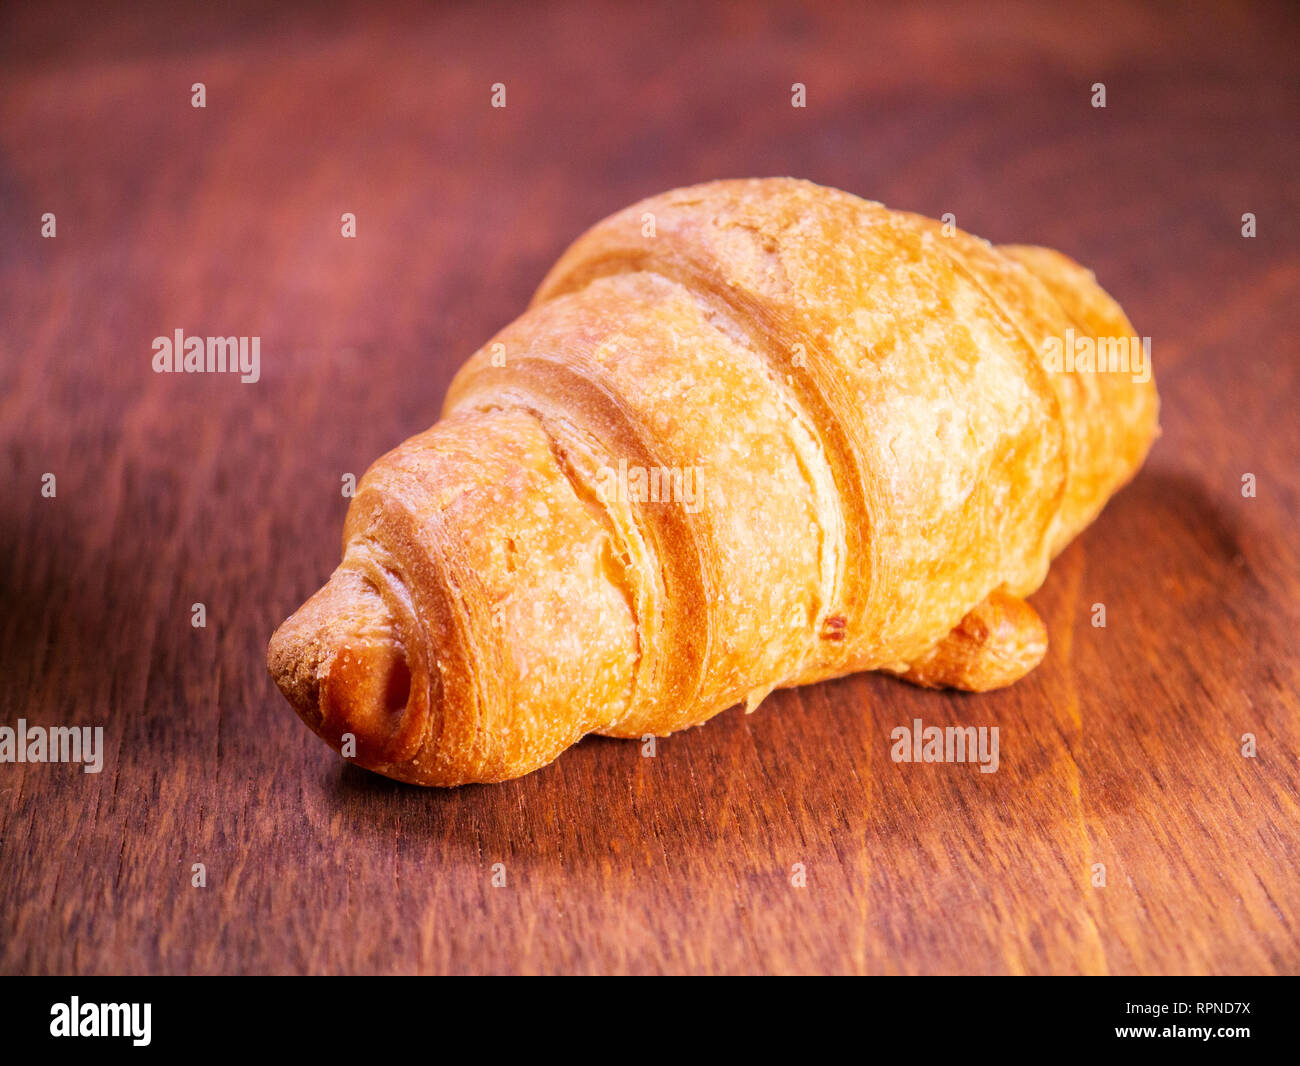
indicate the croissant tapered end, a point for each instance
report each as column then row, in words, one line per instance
column 340, row 664
column 995, row 645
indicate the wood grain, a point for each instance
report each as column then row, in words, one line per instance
column 1123, row 748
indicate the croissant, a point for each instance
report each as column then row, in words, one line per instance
column 748, row 435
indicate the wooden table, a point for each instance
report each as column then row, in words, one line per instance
column 1123, row 749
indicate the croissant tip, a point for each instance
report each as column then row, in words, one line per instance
column 341, row 666
column 294, row 674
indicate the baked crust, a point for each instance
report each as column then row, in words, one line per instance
column 856, row 457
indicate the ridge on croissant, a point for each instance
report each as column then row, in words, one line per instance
column 749, row 434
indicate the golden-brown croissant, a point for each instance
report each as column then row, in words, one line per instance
column 748, row 435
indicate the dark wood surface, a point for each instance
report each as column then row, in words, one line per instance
column 1123, row 748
